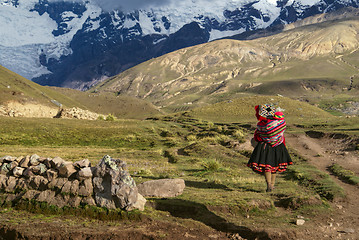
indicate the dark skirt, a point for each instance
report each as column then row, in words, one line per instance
column 266, row 158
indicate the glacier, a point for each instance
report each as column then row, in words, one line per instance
column 35, row 35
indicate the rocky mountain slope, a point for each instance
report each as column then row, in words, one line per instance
column 20, row 97
column 77, row 43
column 296, row 62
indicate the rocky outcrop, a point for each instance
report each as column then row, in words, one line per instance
column 113, row 186
column 77, row 113
column 16, row 109
column 62, row 183
column 31, row 110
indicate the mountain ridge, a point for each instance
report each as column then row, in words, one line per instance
column 220, row 69
column 76, row 44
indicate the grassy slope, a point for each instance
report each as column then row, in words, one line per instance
column 13, row 87
column 109, row 103
column 216, row 176
column 242, row 110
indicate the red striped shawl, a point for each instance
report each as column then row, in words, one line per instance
column 270, row 131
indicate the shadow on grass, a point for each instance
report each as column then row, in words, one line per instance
column 199, row 212
column 206, row 185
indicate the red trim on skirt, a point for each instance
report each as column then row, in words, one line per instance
column 268, row 168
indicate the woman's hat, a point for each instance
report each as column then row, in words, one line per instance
column 267, row 110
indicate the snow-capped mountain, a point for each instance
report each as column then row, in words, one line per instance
column 77, row 43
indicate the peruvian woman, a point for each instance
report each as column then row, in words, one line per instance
column 270, row 155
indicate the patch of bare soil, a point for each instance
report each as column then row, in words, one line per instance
column 30, row 227
column 322, row 150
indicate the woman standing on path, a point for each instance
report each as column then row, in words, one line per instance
column 270, row 155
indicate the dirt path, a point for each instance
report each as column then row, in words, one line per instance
column 322, row 152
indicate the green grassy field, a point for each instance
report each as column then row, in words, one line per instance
column 179, row 146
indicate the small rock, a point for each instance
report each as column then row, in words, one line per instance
column 8, row 159
column 28, row 173
column 47, row 162
column 140, row 203
column 348, row 230
column 25, row 162
column 339, row 206
column 21, row 184
column 51, row 174
column 300, row 222
column 66, row 169
column 86, row 188
column 67, row 186
column 300, row 217
column 36, row 181
column 84, row 173
column 74, row 201
column 18, row 171
column 44, row 196
column 11, row 184
column 59, row 200
column 88, row 201
column 39, row 169
column 5, row 168
column 75, row 187
column 18, row 159
column 82, row 164
column 31, row 194
column 13, row 165
column 59, row 183
column 3, row 180
column 56, row 162
column 52, row 183
column 34, row 160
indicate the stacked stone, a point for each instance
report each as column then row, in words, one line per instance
column 62, row 183
column 78, row 113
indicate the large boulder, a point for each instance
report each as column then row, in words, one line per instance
column 163, row 188
column 113, row 185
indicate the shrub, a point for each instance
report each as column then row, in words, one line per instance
column 110, row 117
column 239, row 134
column 145, row 172
column 212, row 165
column 191, row 138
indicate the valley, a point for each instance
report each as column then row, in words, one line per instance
column 189, row 114
column 223, row 198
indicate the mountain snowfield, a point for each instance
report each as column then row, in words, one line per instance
column 33, row 34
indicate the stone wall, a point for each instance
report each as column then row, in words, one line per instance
column 77, row 113
column 63, row 183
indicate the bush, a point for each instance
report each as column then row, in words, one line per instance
column 212, row 165
column 191, row 138
column 110, row 117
